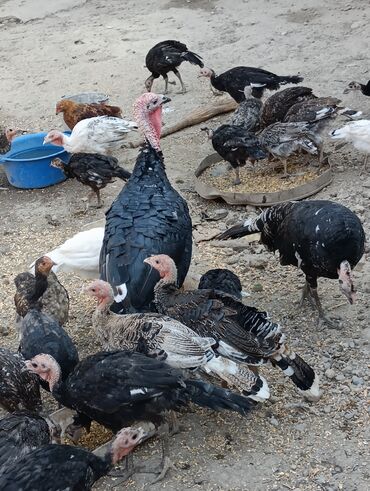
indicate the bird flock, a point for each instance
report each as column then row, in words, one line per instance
column 164, row 346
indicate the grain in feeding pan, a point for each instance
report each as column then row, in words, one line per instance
column 234, row 196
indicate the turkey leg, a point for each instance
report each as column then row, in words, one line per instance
column 183, row 88
column 323, row 318
column 166, row 464
column 237, row 176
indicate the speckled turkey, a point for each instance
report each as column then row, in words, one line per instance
column 322, row 238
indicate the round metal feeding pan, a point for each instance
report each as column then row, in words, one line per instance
column 301, row 191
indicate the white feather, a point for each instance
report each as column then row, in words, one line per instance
column 97, row 135
column 356, row 132
column 79, row 254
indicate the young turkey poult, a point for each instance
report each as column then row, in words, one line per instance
column 357, row 133
column 165, row 57
column 222, row 279
column 120, row 387
column 40, row 332
column 19, row 389
column 322, row 238
column 161, row 337
column 357, row 86
column 63, row 467
column 236, row 145
column 281, row 140
column 242, row 332
column 234, row 80
column 93, row 135
column 22, row 432
column 44, row 285
column 79, row 254
column 248, row 113
column 148, row 217
column 93, row 170
column 277, row 105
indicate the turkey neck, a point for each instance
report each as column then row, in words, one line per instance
column 149, row 169
column 165, row 288
column 100, row 321
column 41, row 285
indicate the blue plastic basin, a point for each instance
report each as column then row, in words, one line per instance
column 27, row 164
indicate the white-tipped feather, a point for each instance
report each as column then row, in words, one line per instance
column 79, row 254
column 238, row 376
column 313, row 394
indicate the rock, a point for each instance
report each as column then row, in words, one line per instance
column 220, row 170
column 219, row 214
column 330, row 373
column 327, row 409
column 357, row 380
column 257, row 287
column 340, row 377
column 274, row 421
column 232, row 260
column 254, row 261
column 4, row 250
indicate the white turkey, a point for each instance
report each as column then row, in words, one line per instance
column 357, row 133
column 101, row 134
column 79, row 254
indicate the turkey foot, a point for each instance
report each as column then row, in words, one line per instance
column 237, row 180
column 323, row 318
column 166, row 464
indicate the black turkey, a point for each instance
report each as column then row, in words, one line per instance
column 236, row 145
column 148, row 217
column 234, row 80
column 165, row 57
column 322, row 238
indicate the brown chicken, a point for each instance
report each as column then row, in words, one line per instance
column 73, row 112
column 6, row 137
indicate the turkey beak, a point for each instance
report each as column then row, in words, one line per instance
column 346, row 90
column 165, row 99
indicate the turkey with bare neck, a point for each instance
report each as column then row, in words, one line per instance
column 148, row 217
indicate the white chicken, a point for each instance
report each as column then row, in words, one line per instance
column 357, row 133
column 93, row 135
column 79, row 254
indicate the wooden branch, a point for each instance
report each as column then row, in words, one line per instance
column 198, row 115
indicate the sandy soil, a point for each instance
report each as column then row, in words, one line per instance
column 55, row 48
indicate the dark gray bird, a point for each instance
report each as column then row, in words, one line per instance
column 19, row 389
column 322, row 238
column 22, row 432
column 67, row 468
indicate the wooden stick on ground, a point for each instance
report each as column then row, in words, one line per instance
column 198, row 115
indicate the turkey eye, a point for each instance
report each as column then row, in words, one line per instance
column 157, row 262
column 34, row 365
column 134, row 437
column 155, row 102
column 93, row 289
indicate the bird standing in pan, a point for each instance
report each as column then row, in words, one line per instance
column 322, row 238
column 165, row 57
column 234, row 80
column 236, row 146
column 147, row 217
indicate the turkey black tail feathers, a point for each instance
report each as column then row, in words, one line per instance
column 300, row 373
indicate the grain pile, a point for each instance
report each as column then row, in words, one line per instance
column 263, row 177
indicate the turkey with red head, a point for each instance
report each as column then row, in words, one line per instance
column 148, row 217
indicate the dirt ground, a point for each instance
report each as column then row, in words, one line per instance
column 54, row 48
